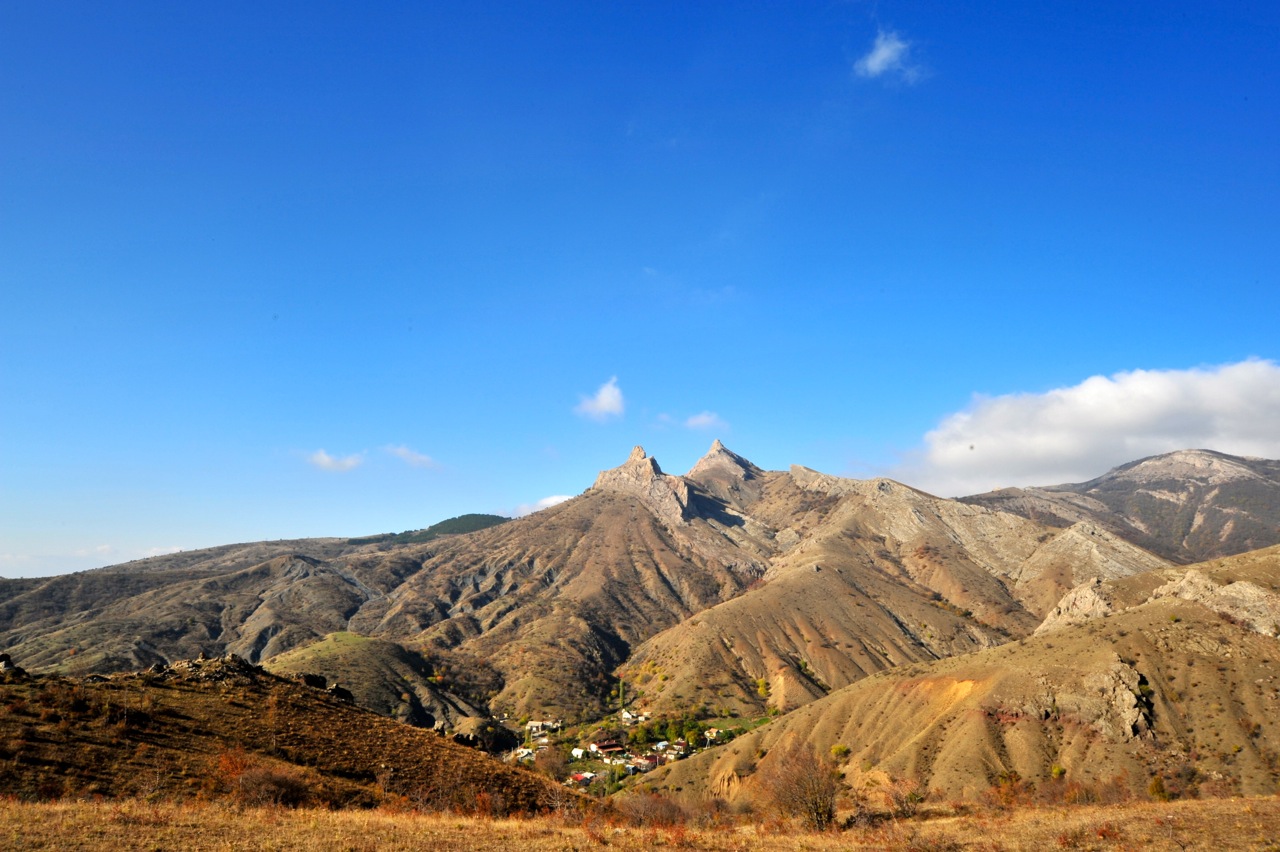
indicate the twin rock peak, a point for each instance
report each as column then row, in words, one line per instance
column 669, row 496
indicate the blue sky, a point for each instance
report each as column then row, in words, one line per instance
column 281, row 270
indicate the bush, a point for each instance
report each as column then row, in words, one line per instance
column 652, row 810
column 266, row 785
column 256, row 783
column 798, row 783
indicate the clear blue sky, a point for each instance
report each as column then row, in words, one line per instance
column 278, row 270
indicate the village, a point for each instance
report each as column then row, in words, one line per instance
column 597, row 758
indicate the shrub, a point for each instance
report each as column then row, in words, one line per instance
column 267, row 785
column 652, row 810
column 798, row 783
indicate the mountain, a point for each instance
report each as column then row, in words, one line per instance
column 1177, row 676
column 1187, row 506
column 887, row 576
column 729, row 588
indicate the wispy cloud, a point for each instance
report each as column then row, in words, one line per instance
column 889, row 55
column 1075, row 433
column 324, row 461
column 545, row 503
column 606, row 403
column 413, row 458
column 706, row 421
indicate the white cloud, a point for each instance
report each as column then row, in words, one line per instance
column 889, row 55
column 324, row 461
column 707, row 420
column 1075, row 433
column 411, row 457
column 545, row 503
column 606, row 403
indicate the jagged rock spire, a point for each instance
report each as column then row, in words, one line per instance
column 722, row 459
column 666, row 496
column 727, row 476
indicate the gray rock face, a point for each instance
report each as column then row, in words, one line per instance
column 666, row 496
column 727, row 476
column 1083, row 603
column 1249, row 604
column 1115, row 704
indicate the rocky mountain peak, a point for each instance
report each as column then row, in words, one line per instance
column 720, row 459
column 640, row 476
column 1204, row 467
column 727, row 476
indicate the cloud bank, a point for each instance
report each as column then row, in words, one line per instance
column 889, row 55
column 324, row 461
column 606, row 403
column 1075, row 433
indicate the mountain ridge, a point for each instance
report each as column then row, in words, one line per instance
column 641, row 569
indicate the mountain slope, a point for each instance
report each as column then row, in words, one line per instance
column 555, row 601
column 387, row 678
column 1187, row 506
column 199, row 727
column 889, row 576
column 1165, row 685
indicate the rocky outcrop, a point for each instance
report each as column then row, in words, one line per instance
column 1083, row 603
column 666, row 496
column 1248, row 604
column 10, row 670
column 1112, row 701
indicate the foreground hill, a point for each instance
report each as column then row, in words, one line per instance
column 212, row 727
column 1187, row 506
column 385, row 677
column 1176, row 676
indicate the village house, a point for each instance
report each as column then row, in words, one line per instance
column 606, row 748
column 538, row 727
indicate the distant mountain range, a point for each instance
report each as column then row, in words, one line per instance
column 1186, row 506
column 730, row 590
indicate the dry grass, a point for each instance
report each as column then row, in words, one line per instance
column 1223, row 824
column 248, row 735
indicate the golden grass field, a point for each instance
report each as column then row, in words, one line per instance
column 1217, row 824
